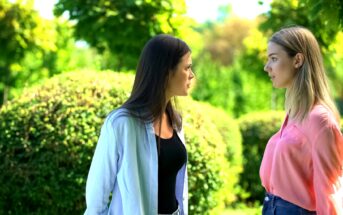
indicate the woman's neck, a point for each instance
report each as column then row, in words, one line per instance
column 163, row 126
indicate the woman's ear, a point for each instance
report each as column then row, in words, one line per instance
column 298, row 60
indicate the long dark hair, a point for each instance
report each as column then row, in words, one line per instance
column 157, row 62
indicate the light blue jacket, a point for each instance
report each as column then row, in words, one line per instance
column 125, row 163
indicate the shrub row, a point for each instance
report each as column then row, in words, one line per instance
column 48, row 135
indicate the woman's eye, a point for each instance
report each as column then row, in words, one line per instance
column 274, row 59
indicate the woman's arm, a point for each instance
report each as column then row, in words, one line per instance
column 103, row 170
column 327, row 155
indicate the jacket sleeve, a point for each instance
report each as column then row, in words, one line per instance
column 185, row 182
column 185, row 194
column 103, row 170
column 327, row 155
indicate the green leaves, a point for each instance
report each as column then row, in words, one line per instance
column 121, row 26
column 47, row 139
column 22, row 31
column 48, row 135
column 256, row 129
column 324, row 19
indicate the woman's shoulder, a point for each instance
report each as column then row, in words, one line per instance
column 120, row 117
column 119, row 114
column 322, row 116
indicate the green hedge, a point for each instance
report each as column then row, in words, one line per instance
column 256, row 129
column 47, row 138
column 48, row 135
column 217, row 135
column 232, row 138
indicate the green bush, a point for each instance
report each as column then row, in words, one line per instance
column 256, row 129
column 47, row 138
column 211, row 132
column 229, row 130
column 48, row 135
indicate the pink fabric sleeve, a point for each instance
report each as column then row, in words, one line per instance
column 327, row 155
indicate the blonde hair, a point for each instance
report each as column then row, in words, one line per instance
column 310, row 84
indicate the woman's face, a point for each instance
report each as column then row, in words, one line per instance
column 280, row 67
column 180, row 80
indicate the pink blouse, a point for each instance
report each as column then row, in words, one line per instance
column 303, row 163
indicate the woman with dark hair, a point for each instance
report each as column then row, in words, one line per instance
column 140, row 158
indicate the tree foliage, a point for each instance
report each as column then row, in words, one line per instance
column 21, row 32
column 323, row 19
column 331, row 11
column 240, row 86
column 43, row 62
column 224, row 41
column 121, row 26
column 337, row 63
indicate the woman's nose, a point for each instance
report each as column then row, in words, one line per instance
column 266, row 67
column 192, row 75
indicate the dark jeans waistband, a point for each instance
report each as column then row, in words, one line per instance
column 273, row 201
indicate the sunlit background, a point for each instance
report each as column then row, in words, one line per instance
column 200, row 10
column 65, row 64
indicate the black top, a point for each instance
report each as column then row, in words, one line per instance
column 172, row 157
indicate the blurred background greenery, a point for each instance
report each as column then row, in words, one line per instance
column 228, row 50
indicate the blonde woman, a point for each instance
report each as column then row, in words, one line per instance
column 302, row 166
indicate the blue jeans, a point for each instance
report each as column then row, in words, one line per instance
column 274, row 205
